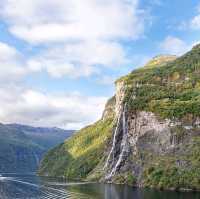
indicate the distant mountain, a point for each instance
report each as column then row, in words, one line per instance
column 22, row 147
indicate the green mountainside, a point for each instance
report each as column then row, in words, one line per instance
column 22, row 147
column 172, row 91
column 149, row 134
column 81, row 153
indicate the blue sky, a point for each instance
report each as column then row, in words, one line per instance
column 59, row 59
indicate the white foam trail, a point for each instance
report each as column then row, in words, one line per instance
column 53, row 193
column 27, row 183
column 39, row 186
column 36, row 186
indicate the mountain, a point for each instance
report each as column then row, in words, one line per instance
column 22, row 147
column 149, row 134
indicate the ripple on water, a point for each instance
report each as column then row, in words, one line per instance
column 37, row 191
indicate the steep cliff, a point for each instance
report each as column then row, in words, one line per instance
column 155, row 123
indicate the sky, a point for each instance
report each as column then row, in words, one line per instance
column 59, row 59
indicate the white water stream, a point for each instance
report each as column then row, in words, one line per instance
column 124, row 145
column 114, row 142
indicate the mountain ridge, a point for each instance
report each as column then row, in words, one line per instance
column 22, row 146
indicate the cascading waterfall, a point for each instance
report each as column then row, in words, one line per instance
column 124, row 148
column 114, row 142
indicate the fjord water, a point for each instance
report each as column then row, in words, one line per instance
column 14, row 186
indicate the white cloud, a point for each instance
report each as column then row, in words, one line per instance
column 69, row 70
column 80, row 39
column 39, row 109
column 192, row 23
column 68, row 60
column 34, row 66
column 81, row 59
column 82, row 36
column 11, row 63
column 174, row 45
column 24, row 105
column 195, row 22
column 45, row 21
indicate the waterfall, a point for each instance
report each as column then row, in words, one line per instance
column 114, row 142
column 124, row 148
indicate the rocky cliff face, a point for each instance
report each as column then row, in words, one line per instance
column 149, row 149
column 140, row 134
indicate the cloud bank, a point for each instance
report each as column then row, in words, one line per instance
column 67, row 110
column 61, row 20
column 76, row 39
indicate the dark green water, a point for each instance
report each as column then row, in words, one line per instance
column 31, row 187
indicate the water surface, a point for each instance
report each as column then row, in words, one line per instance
column 14, row 186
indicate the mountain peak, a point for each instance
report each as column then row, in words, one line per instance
column 160, row 60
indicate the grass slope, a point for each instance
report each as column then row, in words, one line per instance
column 80, row 154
